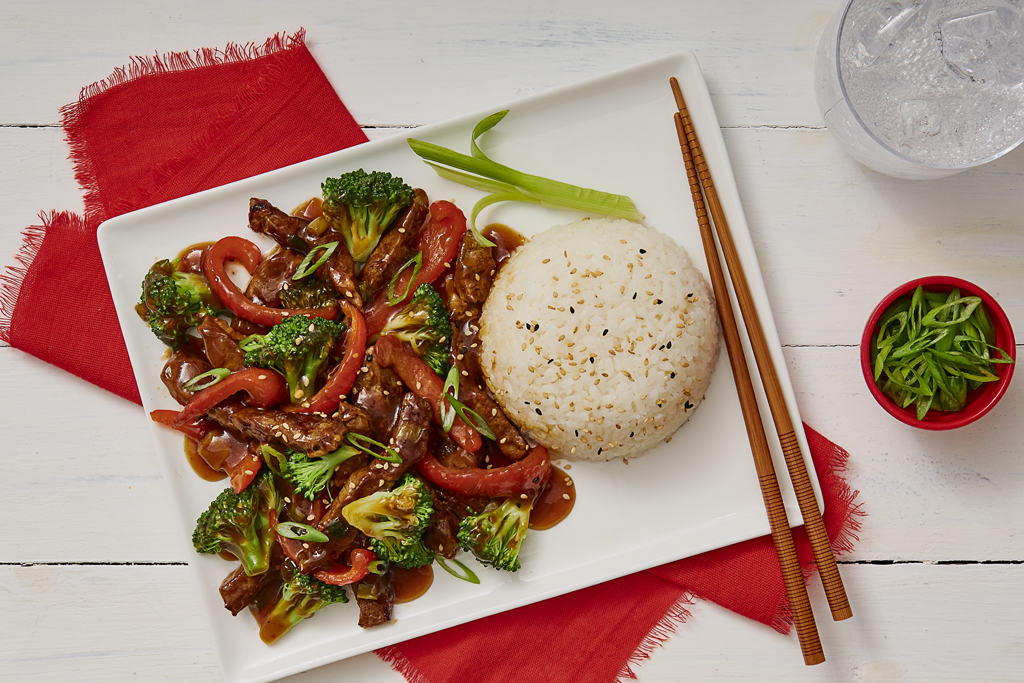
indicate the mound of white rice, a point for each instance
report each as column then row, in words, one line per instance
column 599, row 339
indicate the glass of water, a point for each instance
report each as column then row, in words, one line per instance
column 923, row 88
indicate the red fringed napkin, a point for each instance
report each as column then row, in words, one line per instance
column 178, row 124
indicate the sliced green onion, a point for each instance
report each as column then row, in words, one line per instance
column 377, row 567
column 275, row 459
column 447, row 410
column 507, row 184
column 389, row 454
column 305, row 269
column 933, row 348
column 416, row 262
column 252, row 342
column 451, row 406
column 466, row 573
column 300, row 532
column 206, row 380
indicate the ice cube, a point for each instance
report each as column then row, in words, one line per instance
column 883, row 30
column 921, row 118
column 986, row 46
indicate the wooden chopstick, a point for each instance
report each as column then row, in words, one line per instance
column 822, row 548
column 782, row 537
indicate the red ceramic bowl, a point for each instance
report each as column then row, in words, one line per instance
column 979, row 401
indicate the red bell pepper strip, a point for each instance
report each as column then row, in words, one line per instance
column 234, row 460
column 439, row 245
column 265, row 388
column 341, row 382
column 241, row 466
column 527, row 476
column 341, row 575
column 392, row 352
column 248, row 254
column 196, row 429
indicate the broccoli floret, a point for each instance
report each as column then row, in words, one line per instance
column 240, row 524
column 362, row 205
column 496, row 534
column 309, row 292
column 297, row 348
column 309, row 476
column 395, row 521
column 424, row 324
column 301, row 597
column 173, row 302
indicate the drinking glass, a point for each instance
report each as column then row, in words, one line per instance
column 923, row 88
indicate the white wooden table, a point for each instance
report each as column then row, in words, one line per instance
column 93, row 580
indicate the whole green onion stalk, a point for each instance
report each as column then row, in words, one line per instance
column 507, row 184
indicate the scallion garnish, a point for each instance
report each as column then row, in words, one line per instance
column 300, row 532
column 507, row 184
column 451, row 406
column 389, row 454
column 932, row 349
column 377, row 567
column 307, row 267
column 416, row 262
column 206, row 380
column 466, row 573
column 252, row 342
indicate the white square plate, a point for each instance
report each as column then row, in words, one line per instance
column 613, row 133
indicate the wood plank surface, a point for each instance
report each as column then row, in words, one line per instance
column 936, row 579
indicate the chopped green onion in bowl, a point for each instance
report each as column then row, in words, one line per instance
column 933, row 355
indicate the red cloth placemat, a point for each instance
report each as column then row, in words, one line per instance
column 176, row 124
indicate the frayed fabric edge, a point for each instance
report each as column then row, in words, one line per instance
column 140, row 67
column 12, row 280
column 658, row 636
column 402, row 665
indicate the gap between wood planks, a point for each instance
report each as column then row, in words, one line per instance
column 185, row 564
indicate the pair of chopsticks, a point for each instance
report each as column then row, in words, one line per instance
column 701, row 186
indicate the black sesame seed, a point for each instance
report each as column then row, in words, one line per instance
column 631, row 435
column 658, row 302
column 672, row 375
column 538, row 411
column 687, row 405
column 643, row 251
column 599, row 450
column 577, row 432
column 551, row 361
column 591, row 360
column 689, row 295
column 604, row 333
column 661, row 347
column 634, row 295
column 669, row 345
column 526, row 402
column 536, row 480
column 572, row 310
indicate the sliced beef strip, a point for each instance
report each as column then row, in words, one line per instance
column 395, row 247
column 239, row 589
column 465, row 355
column 311, row 434
column 340, row 271
column 379, row 392
column 182, row 366
column 221, row 344
column 378, row 611
column 409, row 437
column 474, row 270
column 443, row 529
column 266, row 219
column 271, row 276
column 512, row 444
